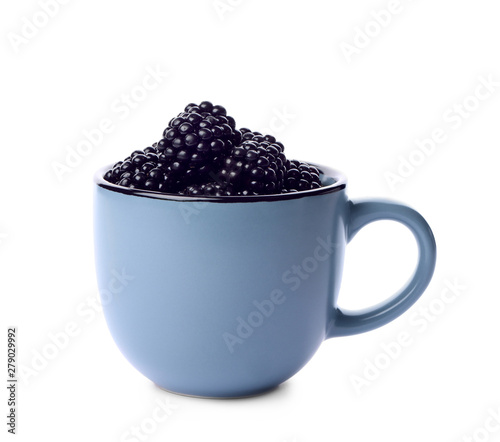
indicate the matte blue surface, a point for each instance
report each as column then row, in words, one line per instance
column 232, row 299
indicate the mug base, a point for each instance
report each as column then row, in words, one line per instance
column 199, row 396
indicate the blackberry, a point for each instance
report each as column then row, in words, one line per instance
column 139, row 170
column 173, row 178
column 255, row 167
column 301, row 176
column 196, row 142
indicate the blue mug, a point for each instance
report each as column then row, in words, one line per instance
column 231, row 296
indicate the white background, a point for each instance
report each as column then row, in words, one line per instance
column 360, row 113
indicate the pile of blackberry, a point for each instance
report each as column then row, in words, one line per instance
column 202, row 153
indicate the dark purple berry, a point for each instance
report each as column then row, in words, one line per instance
column 301, row 176
column 254, row 167
column 196, row 142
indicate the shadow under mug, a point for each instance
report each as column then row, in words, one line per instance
column 231, row 296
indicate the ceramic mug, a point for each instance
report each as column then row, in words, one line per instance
column 231, row 296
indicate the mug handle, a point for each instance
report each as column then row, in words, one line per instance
column 345, row 323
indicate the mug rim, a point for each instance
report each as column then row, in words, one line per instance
column 340, row 182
